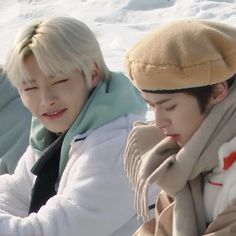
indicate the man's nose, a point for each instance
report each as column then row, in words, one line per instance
column 47, row 98
column 161, row 120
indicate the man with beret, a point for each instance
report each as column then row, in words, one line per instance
column 186, row 71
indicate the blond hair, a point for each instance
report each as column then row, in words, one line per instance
column 60, row 45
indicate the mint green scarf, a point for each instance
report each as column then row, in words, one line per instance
column 101, row 108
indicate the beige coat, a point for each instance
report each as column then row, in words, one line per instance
column 152, row 159
column 161, row 225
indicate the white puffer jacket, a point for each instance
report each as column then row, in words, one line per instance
column 94, row 196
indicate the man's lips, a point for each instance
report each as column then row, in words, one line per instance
column 54, row 114
column 175, row 137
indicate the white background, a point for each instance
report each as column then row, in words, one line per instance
column 117, row 24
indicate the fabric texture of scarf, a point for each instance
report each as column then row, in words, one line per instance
column 108, row 102
column 15, row 126
column 177, row 170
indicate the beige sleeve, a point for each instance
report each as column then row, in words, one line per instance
column 225, row 223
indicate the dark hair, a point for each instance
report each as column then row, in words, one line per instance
column 202, row 94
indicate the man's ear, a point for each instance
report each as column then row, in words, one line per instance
column 220, row 91
column 95, row 75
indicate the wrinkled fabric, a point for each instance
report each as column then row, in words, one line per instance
column 93, row 197
column 179, row 171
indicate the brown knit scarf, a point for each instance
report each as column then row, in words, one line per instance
column 177, row 171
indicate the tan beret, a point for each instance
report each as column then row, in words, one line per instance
column 183, row 54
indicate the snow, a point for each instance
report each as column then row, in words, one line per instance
column 117, row 24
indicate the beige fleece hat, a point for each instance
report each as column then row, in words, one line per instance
column 183, row 54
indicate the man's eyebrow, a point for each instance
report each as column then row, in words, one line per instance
column 31, row 81
column 162, row 101
column 159, row 102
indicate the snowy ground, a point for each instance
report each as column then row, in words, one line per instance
column 118, row 24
